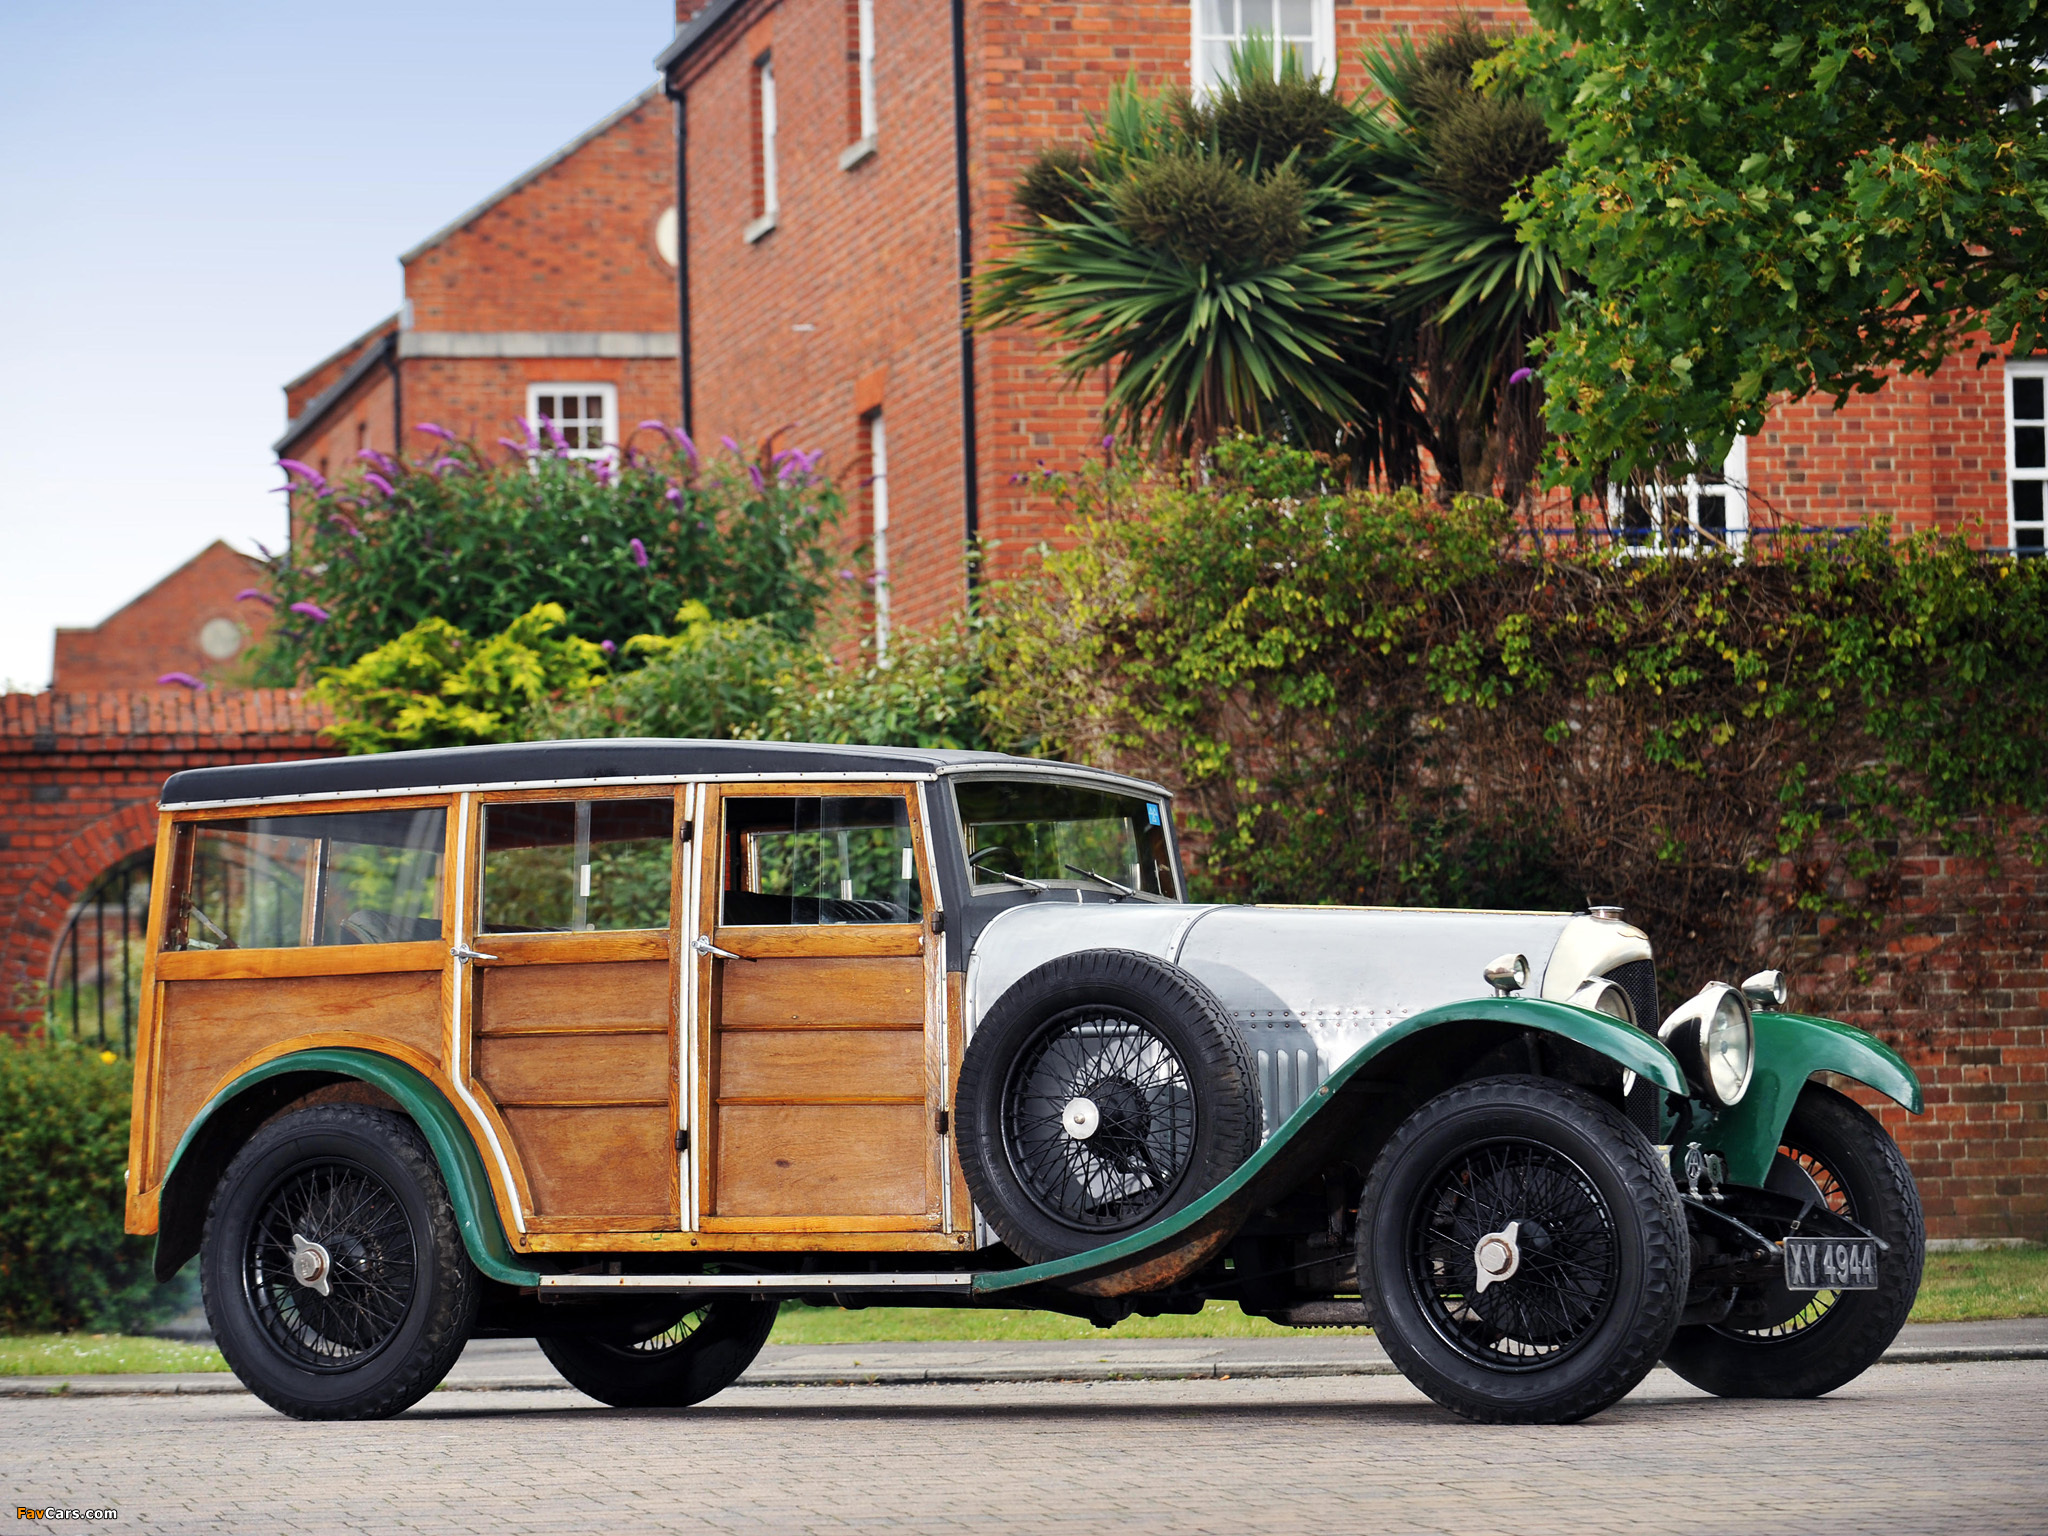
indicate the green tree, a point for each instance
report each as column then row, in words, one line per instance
column 478, row 543
column 1768, row 201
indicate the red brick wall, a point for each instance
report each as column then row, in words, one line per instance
column 572, row 250
column 159, row 631
column 1925, row 453
column 79, row 776
column 863, row 260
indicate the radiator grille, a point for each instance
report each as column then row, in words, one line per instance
column 1638, row 979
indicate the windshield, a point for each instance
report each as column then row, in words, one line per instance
column 1068, row 835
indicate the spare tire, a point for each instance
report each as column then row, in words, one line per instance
column 1103, row 1091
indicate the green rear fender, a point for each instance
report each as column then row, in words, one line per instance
column 1790, row 1048
column 204, row 1150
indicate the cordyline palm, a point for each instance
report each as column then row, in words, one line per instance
column 1198, row 253
column 1278, row 260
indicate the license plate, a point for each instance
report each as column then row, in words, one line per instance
column 1830, row 1263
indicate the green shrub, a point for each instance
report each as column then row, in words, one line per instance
column 1369, row 698
column 436, row 687
column 64, row 1260
column 478, row 543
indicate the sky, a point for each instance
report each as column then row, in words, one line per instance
column 200, row 201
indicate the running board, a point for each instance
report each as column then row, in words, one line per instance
column 950, row 1280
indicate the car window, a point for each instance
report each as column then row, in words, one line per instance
column 1063, row 834
column 283, row 882
column 576, row 866
column 818, row 859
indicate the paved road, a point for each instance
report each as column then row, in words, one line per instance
column 1908, row 1448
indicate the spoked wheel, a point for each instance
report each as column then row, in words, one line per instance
column 1522, row 1253
column 1099, row 1117
column 1777, row 1342
column 703, row 1350
column 1104, row 1090
column 333, row 1271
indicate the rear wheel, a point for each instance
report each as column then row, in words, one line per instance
column 702, row 1351
column 1104, row 1090
column 1522, row 1252
column 1781, row 1343
column 333, row 1271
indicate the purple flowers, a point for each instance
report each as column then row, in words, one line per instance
column 650, row 424
column 606, row 646
column 754, row 474
column 255, row 595
column 532, row 436
column 560, row 442
column 1521, row 375
column 315, row 481
column 384, row 487
column 179, row 680
column 433, row 430
column 731, row 446
column 675, row 494
column 601, row 471
column 345, row 523
column 639, row 552
column 846, row 573
column 1109, row 443
column 312, row 611
column 689, row 448
column 794, row 462
column 384, row 462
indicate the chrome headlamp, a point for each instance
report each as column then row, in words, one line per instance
column 1604, row 996
column 1766, row 989
column 1712, row 1038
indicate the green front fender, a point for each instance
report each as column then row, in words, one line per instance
column 1294, row 1147
column 461, row 1168
column 1790, row 1048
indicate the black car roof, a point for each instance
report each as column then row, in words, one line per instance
column 540, row 763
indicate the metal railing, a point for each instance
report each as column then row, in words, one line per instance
column 95, row 989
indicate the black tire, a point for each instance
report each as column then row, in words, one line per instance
column 1600, row 1246
column 1780, row 1343
column 402, row 1297
column 1178, row 1111
column 702, row 1352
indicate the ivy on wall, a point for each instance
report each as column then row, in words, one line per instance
column 1370, row 698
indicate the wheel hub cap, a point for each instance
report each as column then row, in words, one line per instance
column 310, row 1265
column 1497, row 1256
column 1081, row 1118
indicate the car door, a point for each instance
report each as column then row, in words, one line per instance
column 572, row 1002
column 821, row 1019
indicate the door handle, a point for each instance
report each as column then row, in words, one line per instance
column 462, row 952
column 704, row 946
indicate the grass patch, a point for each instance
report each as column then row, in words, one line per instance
column 101, row 1354
column 893, row 1325
column 1983, row 1284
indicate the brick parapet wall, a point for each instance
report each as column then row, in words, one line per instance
column 79, row 777
column 1945, row 958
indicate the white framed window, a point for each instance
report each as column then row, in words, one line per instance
column 1701, row 511
column 864, row 77
column 1306, row 29
column 586, row 416
column 878, row 499
column 767, row 198
column 2026, row 451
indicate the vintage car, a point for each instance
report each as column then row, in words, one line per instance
column 621, row 1045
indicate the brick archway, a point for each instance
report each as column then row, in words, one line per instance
column 47, row 898
column 79, row 776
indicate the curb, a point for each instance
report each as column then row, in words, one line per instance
column 222, row 1384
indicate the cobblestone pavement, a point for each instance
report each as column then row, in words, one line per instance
column 1941, row 1448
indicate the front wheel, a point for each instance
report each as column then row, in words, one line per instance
column 332, row 1269
column 1780, row 1343
column 1522, row 1252
column 702, row 1351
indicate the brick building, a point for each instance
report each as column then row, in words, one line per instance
column 847, row 165
column 195, row 621
column 555, row 295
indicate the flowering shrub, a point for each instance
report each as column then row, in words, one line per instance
column 1370, row 698
column 478, row 543
column 64, row 1260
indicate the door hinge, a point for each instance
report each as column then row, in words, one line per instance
column 683, row 1139
column 939, row 920
column 688, row 834
column 943, row 1122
